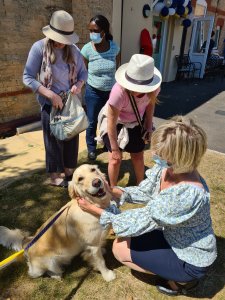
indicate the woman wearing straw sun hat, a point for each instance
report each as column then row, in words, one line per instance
column 59, row 65
column 138, row 80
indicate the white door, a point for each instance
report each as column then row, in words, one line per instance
column 201, row 32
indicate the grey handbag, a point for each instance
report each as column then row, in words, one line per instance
column 71, row 120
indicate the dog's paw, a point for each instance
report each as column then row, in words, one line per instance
column 57, row 277
column 109, row 275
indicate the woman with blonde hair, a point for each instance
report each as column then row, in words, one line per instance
column 172, row 235
column 58, row 63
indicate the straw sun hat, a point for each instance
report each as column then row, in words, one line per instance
column 61, row 28
column 139, row 75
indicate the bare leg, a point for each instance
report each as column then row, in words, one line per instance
column 113, row 170
column 121, row 251
column 138, row 164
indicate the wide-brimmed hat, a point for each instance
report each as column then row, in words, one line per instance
column 61, row 28
column 139, row 75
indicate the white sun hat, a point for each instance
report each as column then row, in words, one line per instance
column 61, row 28
column 139, row 75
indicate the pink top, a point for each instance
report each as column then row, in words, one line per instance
column 119, row 99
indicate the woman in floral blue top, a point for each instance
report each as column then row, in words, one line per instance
column 172, row 235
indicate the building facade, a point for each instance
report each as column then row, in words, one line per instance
column 21, row 22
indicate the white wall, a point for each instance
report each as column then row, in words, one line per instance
column 173, row 48
column 132, row 23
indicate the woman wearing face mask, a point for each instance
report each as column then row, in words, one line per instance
column 60, row 66
column 101, row 56
column 172, row 235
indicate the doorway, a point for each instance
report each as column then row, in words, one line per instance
column 158, row 41
column 200, row 40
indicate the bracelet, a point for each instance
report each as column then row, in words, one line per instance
column 81, row 81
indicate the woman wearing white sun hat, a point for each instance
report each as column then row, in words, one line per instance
column 142, row 80
column 59, row 64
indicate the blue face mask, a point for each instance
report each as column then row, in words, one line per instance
column 95, row 37
column 161, row 162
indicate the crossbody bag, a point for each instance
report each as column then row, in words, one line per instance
column 144, row 132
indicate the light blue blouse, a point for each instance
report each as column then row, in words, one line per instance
column 181, row 211
column 101, row 66
column 60, row 70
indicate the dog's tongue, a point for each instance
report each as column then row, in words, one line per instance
column 100, row 193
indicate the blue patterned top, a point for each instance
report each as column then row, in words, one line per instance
column 101, row 66
column 181, row 211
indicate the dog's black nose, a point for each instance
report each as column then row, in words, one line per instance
column 96, row 183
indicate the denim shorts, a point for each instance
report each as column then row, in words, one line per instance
column 151, row 252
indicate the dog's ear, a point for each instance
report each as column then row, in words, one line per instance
column 71, row 190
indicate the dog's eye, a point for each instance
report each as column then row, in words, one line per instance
column 93, row 169
column 80, row 178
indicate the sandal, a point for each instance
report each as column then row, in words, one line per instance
column 183, row 289
column 63, row 184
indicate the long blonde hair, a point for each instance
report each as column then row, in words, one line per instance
column 67, row 53
column 154, row 100
column 180, row 142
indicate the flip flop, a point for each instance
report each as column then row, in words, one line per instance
column 63, row 184
column 183, row 289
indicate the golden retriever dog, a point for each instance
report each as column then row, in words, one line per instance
column 74, row 232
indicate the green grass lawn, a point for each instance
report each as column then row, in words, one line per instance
column 27, row 203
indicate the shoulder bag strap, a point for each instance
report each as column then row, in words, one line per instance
column 135, row 109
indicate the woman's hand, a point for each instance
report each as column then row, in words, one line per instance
column 147, row 136
column 116, row 192
column 116, row 155
column 76, row 88
column 56, row 101
column 87, row 206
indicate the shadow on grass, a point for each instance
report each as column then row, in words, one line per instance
column 110, row 261
column 29, row 202
column 26, row 204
